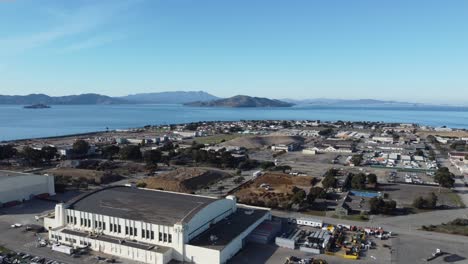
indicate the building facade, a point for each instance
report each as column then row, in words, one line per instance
column 152, row 226
column 18, row 187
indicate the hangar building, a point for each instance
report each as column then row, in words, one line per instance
column 17, row 187
column 152, row 226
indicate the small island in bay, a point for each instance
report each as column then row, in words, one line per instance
column 37, row 106
column 242, row 101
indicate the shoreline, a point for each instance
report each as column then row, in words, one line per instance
column 124, row 130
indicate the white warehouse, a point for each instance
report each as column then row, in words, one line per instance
column 17, row 187
column 152, row 226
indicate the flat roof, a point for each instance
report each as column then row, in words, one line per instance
column 151, row 206
column 5, row 173
column 105, row 238
column 229, row 228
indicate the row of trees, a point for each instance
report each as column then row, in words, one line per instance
column 37, row 157
column 330, row 181
column 359, row 181
column 379, row 206
column 7, row 151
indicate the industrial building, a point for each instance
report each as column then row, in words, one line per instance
column 152, row 226
column 17, row 187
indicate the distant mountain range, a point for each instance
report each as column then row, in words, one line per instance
column 92, row 99
column 193, row 98
column 242, row 101
column 82, row 99
column 349, row 102
column 179, row 97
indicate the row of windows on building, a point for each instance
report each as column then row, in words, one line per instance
column 163, row 237
column 132, row 231
column 87, row 223
column 70, row 240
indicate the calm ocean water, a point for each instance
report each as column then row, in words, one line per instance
column 17, row 122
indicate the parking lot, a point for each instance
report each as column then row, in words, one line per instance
column 21, row 241
column 272, row 254
column 410, row 177
column 312, row 165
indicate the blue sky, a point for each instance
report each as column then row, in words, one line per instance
column 400, row 50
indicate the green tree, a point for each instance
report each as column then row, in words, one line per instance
column 32, row 156
column 80, row 147
column 298, row 196
column 380, row 206
column 192, row 126
column 7, row 151
column 356, row 159
column 326, row 132
column 130, row 152
column 152, row 157
column 419, row 152
column 426, row 203
column 141, row 185
column 239, row 180
column 286, row 124
column 432, row 200
column 372, row 178
column 358, row 181
column 110, row 151
column 49, row 153
column 267, row 164
column 329, row 182
column 444, row 177
column 282, row 168
column 314, row 193
column 419, row 202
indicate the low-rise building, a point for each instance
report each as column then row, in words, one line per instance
column 151, row 226
column 383, row 139
column 287, row 148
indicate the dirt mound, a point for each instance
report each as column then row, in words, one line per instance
column 91, row 176
column 284, row 179
column 185, row 179
column 256, row 142
column 275, row 190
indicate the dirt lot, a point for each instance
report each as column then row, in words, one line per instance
column 313, row 165
column 258, row 142
column 280, row 188
column 186, row 180
column 404, row 194
column 443, row 133
column 98, row 177
column 217, row 139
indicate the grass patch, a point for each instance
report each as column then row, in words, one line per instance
column 315, row 212
column 456, row 227
column 456, row 199
column 361, row 218
column 4, row 250
column 217, row 139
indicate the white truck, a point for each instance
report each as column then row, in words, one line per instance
column 309, row 222
column 257, row 174
column 62, row 248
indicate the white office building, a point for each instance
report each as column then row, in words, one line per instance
column 151, row 226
